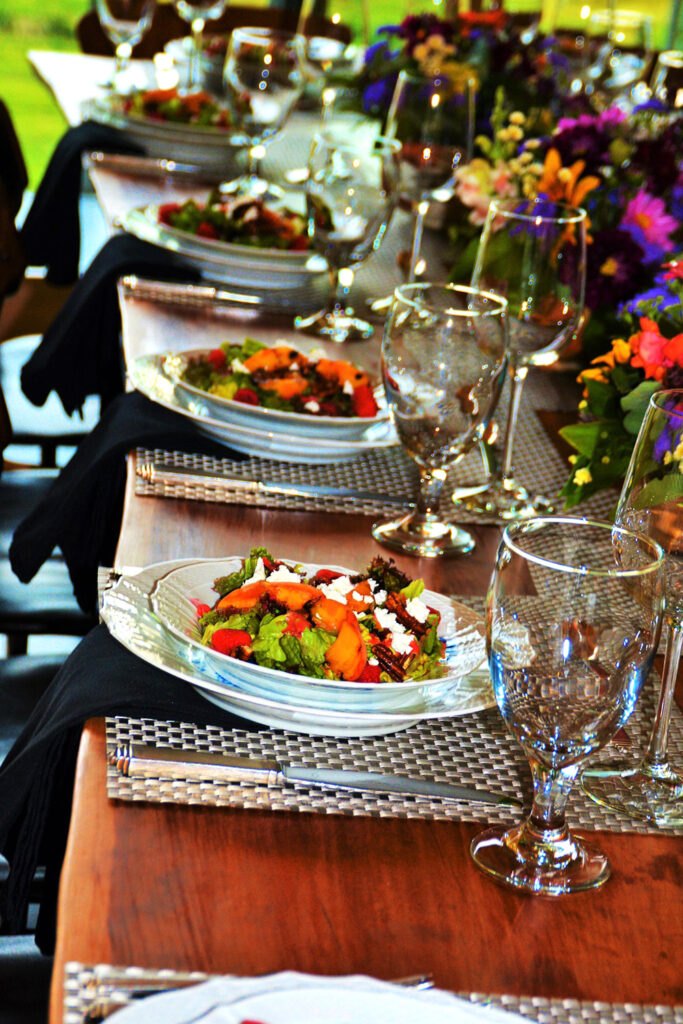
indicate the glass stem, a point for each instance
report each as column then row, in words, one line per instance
column 429, row 494
column 197, row 33
column 341, row 280
column 418, row 227
column 518, row 374
column 551, row 792
column 655, row 757
column 122, row 55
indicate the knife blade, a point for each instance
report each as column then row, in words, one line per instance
column 154, row 473
column 200, row 294
column 140, row 760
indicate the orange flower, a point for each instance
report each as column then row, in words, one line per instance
column 648, row 346
column 562, row 184
column 673, row 350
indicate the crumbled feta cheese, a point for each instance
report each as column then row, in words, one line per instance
column 373, row 584
column 259, row 573
column 284, row 574
column 348, row 388
column 417, row 609
column 312, row 405
column 238, row 367
column 380, row 596
column 294, row 366
column 363, row 598
column 337, row 589
column 373, row 661
column 387, row 620
column 402, row 642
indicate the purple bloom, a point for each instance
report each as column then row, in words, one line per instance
column 660, row 294
column 614, row 268
column 378, row 94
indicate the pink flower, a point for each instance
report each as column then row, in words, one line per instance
column 649, row 346
column 674, row 270
column 648, row 223
column 479, row 183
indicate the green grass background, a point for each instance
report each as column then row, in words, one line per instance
column 49, row 25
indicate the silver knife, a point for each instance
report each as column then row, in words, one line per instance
column 197, row 294
column 143, row 761
column 154, row 473
column 149, row 167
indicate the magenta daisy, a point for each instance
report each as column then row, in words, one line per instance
column 649, row 224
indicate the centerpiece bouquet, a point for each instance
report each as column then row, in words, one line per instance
column 618, row 385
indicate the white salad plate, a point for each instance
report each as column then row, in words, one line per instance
column 204, row 146
column 126, row 612
column 290, row 998
column 146, row 374
column 173, row 600
column 351, row 427
column 225, row 261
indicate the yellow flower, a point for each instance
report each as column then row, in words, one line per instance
column 599, row 373
column 517, row 117
column 582, row 477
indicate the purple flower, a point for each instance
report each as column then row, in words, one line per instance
column 378, row 94
column 614, row 268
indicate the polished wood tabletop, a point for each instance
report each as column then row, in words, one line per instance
column 244, row 891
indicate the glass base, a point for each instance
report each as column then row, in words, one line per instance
column 524, row 862
column 645, row 793
column 502, row 503
column 427, row 540
column 338, row 325
column 252, row 185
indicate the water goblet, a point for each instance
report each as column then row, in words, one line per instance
column 434, row 121
column 196, row 13
column 621, row 44
column 443, row 364
column 351, row 194
column 666, row 83
column 264, row 77
column 651, row 503
column 534, row 253
column 125, row 23
column 574, row 612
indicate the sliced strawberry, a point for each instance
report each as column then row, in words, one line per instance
column 364, row 403
column 247, row 396
column 217, row 358
column 165, row 211
column 206, row 230
column 370, row 674
column 299, row 244
column 325, row 576
column 229, row 641
column 296, row 624
column 202, row 608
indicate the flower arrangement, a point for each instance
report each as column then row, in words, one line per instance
column 647, row 356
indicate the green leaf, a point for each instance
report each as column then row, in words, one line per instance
column 660, row 491
column 582, row 437
column 635, row 404
column 414, row 589
column 601, row 399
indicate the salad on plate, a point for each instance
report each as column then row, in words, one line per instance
column 279, row 378
column 170, row 106
column 370, row 627
column 245, row 220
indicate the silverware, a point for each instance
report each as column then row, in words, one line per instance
column 149, row 167
column 188, row 294
column 154, row 473
column 140, row 760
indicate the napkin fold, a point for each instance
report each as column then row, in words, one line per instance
column 80, row 353
column 81, row 513
column 51, row 232
column 99, row 678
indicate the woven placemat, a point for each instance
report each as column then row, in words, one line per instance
column 473, row 750
column 390, row 471
column 82, row 983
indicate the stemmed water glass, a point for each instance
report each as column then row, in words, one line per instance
column 443, row 364
column 264, row 77
column 351, row 194
column 196, row 13
column 434, row 122
column 534, row 253
column 651, row 502
column 125, row 23
column 574, row 614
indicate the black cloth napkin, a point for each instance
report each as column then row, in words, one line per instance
column 36, row 779
column 81, row 513
column 51, row 232
column 80, row 353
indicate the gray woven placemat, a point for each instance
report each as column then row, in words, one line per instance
column 390, row 471
column 473, row 750
column 81, row 981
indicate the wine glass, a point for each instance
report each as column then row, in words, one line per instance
column 196, row 13
column 264, row 78
column 351, row 194
column 620, row 43
column 443, row 364
column 125, row 23
column 651, row 502
column 534, row 253
column 666, row 84
column 434, row 122
column 573, row 618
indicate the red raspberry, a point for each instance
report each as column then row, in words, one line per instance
column 246, row 395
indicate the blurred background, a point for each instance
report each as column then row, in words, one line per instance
column 50, row 25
